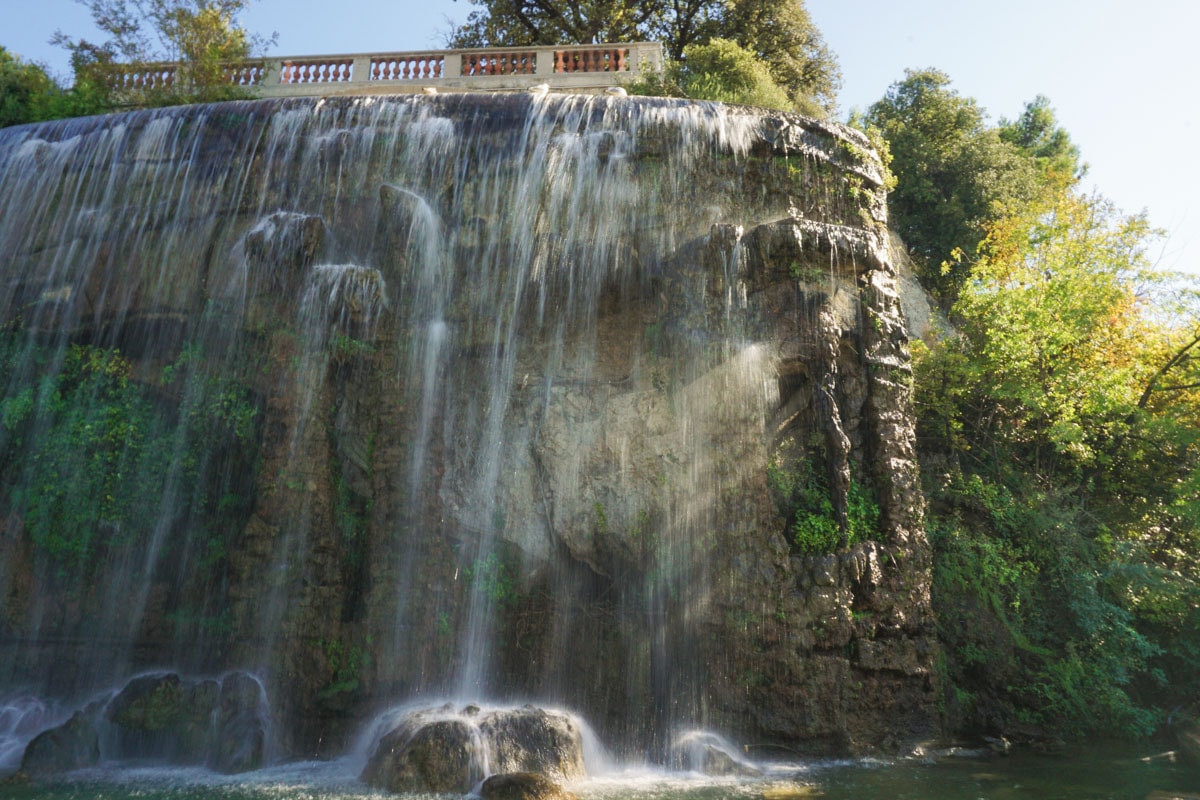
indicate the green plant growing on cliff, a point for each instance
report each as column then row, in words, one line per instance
column 345, row 347
column 90, row 434
column 347, row 663
column 351, row 516
column 814, row 526
column 92, row 460
column 490, row 575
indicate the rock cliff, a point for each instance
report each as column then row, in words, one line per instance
column 490, row 396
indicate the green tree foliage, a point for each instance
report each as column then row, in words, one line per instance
column 24, row 89
column 722, row 71
column 200, row 35
column 956, row 174
column 1037, row 134
column 1060, row 432
column 29, row 94
column 780, row 34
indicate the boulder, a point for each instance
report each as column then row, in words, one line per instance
column 442, row 750
column 701, row 751
column 163, row 716
column 531, row 739
column 522, row 786
column 73, row 745
column 241, row 728
column 433, row 756
column 147, row 703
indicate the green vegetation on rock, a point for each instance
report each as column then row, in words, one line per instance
column 94, row 460
column 814, row 527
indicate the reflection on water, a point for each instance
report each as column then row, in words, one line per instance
column 1101, row 774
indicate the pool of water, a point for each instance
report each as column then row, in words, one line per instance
column 1104, row 774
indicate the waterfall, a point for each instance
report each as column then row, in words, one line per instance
column 388, row 398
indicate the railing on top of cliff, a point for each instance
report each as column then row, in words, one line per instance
column 571, row 68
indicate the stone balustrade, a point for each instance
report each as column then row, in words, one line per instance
column 568, row 68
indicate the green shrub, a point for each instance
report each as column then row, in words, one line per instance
column 722, row 71
column 814, row 528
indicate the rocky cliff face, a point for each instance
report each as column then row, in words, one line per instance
column 488, row 396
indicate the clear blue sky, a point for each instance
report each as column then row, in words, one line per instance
column 1124, row 77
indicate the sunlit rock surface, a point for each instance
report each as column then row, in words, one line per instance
column 453, row 750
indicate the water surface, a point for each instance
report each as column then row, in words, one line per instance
column 1101, row 774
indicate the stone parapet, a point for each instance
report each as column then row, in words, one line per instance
column 581, row 69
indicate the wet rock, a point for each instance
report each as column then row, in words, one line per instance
column 710, row 754
column 441, row 750
column 281, row 245
column 241, row 728
column 522, row 786
column 433, row 757
column 788, row 790
column 73, row 745
column 534, row 740
column 824, row 571
column 188, row 721
column 154, row 717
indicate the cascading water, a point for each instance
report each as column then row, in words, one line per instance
column 457, row 396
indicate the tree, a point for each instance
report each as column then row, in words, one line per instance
column 200, row 35
column 23, row 90
column 1057, row 328
column 784, row 37
column 1039, row 136
column 781, row 34
column 956, row 174
column 29, row 94
column 1063, row 419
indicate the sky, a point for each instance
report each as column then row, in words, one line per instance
column 1123, row 77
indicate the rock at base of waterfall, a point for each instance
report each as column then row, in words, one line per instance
column 73, row 745
column 523, row 786
column 241, row 734
column 441, row 750
column 431, row 757
column 534, row 740
column 166, row 718
column 701, row 751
